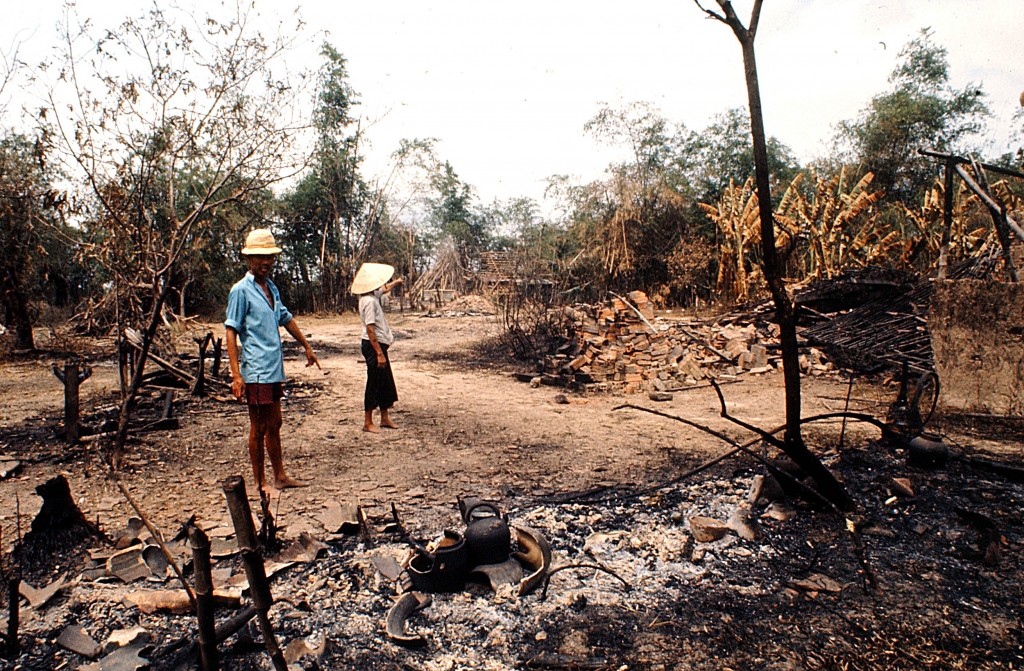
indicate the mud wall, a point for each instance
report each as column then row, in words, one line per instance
column 977, row 332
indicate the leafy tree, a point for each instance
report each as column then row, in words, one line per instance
column 33, row 264
column 452, row 212
column 168, row 120
column 626, row 226
column 325, row 225
column 650, row 138
column 922, row 110
column 722, row 154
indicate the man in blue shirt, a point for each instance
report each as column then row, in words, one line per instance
column 254, row 314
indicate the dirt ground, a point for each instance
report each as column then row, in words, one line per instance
column 468, row 427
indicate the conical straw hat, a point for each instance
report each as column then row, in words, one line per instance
column 371, row 276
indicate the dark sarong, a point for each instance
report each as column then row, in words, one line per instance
column 263, row 394
column 380, row 383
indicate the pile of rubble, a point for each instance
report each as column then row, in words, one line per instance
column 621, row 345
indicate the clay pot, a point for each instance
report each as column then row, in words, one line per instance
column 927, row 451
column 443, row 571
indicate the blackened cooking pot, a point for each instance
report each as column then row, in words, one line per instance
column 488, row 536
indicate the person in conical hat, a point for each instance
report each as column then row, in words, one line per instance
column 370, row 283
column 255, row 314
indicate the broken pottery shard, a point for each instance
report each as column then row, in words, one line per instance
column 155, row 560
column 508, row 572
column 300, row 648
column 765, row 488
column 101, row 554
column 779, row 512
column 9, row 467
column 743, row 522
column 902, row 487
column 305, row 548
column 535, row 557
column 396, row 617
column 125, row 659
column 388, row 567
column 128, row 564
column 78, row 641
column 37, row 598
column 340, row 518
column 817, row 582
column 129, row 535
column 707, row 529
column 222, row 548
column 221, row 575
column 122, row 638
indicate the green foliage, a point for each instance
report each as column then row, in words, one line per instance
column 723, row 154
column 452, row 211
column 35, row 264
column 324, row 223
column 922, row 110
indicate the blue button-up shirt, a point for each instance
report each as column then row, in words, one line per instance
column 250, row 314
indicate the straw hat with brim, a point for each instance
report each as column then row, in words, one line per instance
column 371, row 276
column 260, row 241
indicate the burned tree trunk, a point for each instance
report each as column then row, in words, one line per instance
column 785, row 313
column 16, row 306
column 115, row 453
column 72, row 376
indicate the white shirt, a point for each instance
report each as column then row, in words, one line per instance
column 371, row 312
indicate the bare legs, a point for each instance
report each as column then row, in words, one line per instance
column 265, row 430
column 385, row 421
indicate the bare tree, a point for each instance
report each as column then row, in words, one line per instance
column 167, row 119
column 785, row 313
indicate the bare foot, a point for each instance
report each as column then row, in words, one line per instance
column 370, row 428
column 389, row 425
column 288, row 482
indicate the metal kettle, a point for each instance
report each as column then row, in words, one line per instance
column 487, row 535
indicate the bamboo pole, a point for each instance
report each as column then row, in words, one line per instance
column 205, row 605
column 245, row 532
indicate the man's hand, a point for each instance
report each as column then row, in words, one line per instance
column 381, row 359
column 238, row 388
column 311, row 358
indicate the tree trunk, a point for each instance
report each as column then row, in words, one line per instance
column 16, row 306
column 785, row 314
column 116, row 453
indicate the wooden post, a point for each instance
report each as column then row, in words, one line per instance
column 218, row 345
column 71, row 377
column 245, row 532
column 1003, row 224
column 199, row 387
column 947, row 218
column 13, row 614
column 205, row 605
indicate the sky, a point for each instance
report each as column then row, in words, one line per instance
column 506, row 88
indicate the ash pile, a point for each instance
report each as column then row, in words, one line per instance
column 690, row 573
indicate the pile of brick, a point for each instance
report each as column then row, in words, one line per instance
column 620, row 345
